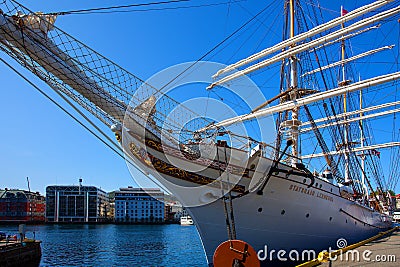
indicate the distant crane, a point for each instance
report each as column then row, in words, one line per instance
column 30, row 198
column 29, row 187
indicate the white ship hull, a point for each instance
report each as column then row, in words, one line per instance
column 289, row 215
column 292, row 230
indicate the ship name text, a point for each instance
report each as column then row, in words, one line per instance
column 310, row 192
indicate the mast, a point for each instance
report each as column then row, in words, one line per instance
column 345, row 82
column 295, row 123
column 363, row 152
column 343, row 46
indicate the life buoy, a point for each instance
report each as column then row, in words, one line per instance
column 235, row 253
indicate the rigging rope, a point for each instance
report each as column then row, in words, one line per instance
column 232, row 217
column 93, row 10
column 61, row 107
column 395, row 152
column 117, row 149
column 227, row 221
column 215, row 47
column 104, row 10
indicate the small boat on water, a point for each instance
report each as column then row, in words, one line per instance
column 19, row 252
column 186, row 220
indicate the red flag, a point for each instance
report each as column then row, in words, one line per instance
column 376, row 153
column 344, row 12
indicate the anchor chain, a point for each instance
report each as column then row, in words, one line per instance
column 227, row 200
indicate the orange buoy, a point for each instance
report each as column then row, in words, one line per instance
column 235, row 253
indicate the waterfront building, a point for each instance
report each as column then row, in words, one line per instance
column 174, row 211
column 111, row 209
column 168, row 214
column 137, row 205
column 177, row 211
column 396, row 216
column 397, row 202
column 396, row 210
column 70, row 203
column 21, row 206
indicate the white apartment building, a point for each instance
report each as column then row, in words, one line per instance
column 137, row 205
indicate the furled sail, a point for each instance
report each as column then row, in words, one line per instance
column 303, row 36
column 309, row 99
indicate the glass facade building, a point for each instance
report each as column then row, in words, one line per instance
column 76, row 204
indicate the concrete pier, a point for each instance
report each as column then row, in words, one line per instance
column 383, row 252
column 380, row 250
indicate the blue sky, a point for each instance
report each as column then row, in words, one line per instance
column 39, row 141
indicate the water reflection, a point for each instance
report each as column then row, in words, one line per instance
column 117, row 245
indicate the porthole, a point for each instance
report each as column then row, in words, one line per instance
column 316, row 185
column 346, row 220
column 320, row 186
column 331, row 189
column 330, row 218
column 304, row 181
column 252, row 166
column 307, row 215
column 355, row 222
column 259, row 209
column 283, row 212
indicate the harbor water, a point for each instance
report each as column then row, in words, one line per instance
column 116, row 245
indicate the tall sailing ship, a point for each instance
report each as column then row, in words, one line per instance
column 318, row 179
